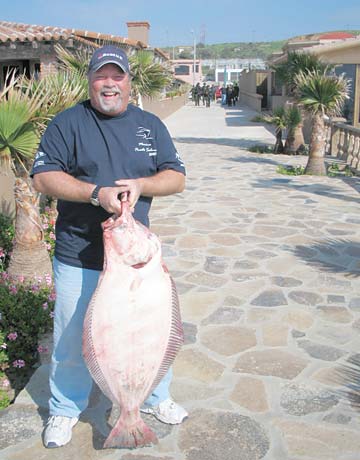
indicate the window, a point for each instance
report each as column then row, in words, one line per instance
column 182, row 70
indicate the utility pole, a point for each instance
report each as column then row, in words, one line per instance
column 194, row 60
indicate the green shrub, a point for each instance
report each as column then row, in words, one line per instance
column 291, row 170
column 26, row 311
column 7, row 232
column 261, row 148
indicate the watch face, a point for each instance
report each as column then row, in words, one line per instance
column 94, row 199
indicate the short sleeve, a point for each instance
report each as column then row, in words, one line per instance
column 54, row 151
column 167, row 155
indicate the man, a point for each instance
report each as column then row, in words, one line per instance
column 89, row 157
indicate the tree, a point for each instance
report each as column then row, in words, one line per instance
column 26, row 107
column 278, row 119
column 320, row 94
column 283, row 118
column 148, row 76
column 293, row 119
column 19, row 139
column 286, row 72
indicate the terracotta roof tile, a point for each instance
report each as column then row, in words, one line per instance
column 13, row 31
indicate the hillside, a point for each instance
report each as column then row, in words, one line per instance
column 240, row 50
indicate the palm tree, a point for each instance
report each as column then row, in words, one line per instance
column 26, row 107
column 286, row 72
column 148, row 76
column 278, row 119
column 293, row 119
column 19, row 139
column 320, row 94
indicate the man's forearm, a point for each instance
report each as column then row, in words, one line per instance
column 163, row 183
column 61, row 185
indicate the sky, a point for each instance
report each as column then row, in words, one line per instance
column 174, row 23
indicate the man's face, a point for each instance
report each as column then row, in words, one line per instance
column 109, row 89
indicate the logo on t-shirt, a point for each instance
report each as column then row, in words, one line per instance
column 143, row 144
column 143, row 132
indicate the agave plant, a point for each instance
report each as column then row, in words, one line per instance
column 320, row 94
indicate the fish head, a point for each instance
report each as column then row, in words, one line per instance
column 129, row 241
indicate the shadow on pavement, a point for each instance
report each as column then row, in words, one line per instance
column 314, row 188
column 331, row 255
column 241, row 143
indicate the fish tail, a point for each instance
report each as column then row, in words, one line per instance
column 130, row 434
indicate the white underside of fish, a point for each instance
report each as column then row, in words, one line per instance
column 132, row 332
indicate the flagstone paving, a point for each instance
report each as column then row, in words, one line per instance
column 267, row 268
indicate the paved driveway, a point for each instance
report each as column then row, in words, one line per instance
column 267, row 268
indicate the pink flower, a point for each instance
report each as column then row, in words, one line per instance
column 42, row 349
column 52, row 314
column 52, row 235
column 2, row 253
column 35, row 287
column 19, row 363
column 48, row 280
column 51, row 297
column 12, row 336
column 13, row 289
column 21, row 278
column 48, row 246
column 47, row 209
column 45, row 226
column 5, row 383
column 45, row 306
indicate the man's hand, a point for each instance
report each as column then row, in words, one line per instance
column 129, row 189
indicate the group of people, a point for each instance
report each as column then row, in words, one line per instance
column 207, row 93
column 204, row 93
column 230, row 94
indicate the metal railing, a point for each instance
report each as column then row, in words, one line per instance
column 343, row 143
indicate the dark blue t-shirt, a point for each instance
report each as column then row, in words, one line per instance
column 101, row 149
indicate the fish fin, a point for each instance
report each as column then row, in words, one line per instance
column 130, row 435
column 176, row 339
column 90, row 355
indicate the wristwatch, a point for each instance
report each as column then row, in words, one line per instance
column 94, row 199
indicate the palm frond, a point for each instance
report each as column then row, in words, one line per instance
column 148, row 76
column 319, row 92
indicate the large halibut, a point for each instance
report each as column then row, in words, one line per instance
column 132, row 328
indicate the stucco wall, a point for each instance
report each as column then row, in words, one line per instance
column 165, row 107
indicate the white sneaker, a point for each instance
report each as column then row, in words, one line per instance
column 167, row 412
column 58, row 431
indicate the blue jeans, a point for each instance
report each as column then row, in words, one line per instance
column 70, row 380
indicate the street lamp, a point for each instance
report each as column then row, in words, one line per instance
column 194, row 55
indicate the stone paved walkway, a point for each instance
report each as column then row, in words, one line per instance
column 267, row 268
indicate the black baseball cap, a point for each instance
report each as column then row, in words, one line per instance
column 109, row 54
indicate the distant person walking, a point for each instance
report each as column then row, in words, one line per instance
column 236, row 91
column 197, row 91
column 229, row 95
column 207, row 95
column 223, row 95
